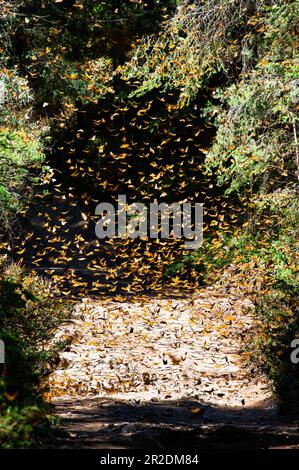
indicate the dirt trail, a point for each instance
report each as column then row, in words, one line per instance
column 160, row 372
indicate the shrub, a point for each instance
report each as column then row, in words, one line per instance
column 21, row 161
column 278, row 315
column 28, row 316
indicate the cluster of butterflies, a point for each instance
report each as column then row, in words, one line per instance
column 146, row 149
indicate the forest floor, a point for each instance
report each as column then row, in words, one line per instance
column 163, row 371
column 148, row 371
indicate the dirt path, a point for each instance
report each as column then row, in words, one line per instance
column 162, row 371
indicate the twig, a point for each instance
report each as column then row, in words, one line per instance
column 296, row 145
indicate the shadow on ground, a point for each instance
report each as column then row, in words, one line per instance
column 106, row 423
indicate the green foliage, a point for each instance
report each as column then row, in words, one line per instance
column 255, row 144
column 16, row 94
column 200, row 41
column 256, row 153
column 69, row 48
column 64, row 82
column 278, row 315
column 21, row 159
column 18, row 424
column 28, row 316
